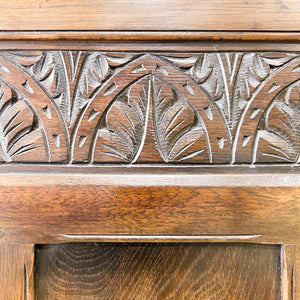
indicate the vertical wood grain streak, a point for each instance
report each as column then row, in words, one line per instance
column 16, row 272
column 287, row 272
column 297, row 273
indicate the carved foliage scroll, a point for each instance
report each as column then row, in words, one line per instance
column 96, row 107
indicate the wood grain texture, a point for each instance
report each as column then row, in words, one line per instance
column 97, row 107
column 44, row 207
column 23, row 42
column 16, row 272
column 288, row 266
column 297, row 273
column 158, row 83
column 151, row 15
column 94, row 37
column 157, row 271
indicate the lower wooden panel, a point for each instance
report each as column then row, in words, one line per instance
column 157, row 271
column 16, row 272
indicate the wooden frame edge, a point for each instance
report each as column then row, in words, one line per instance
column 149, row 36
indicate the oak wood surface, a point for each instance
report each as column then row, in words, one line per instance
column 88, row 36
column 157, row 271
column 49, row 204
column 297, row 273
column 44, row 207
column 150, row 15
column 18, row 43
column 288, row 265
column 131, row 107
column 16, row 272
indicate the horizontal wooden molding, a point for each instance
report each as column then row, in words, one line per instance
column 48, row 204
column 44, row 176
column 162, row 238
column 148, row 36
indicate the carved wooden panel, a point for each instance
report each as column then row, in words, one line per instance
column 96, row 107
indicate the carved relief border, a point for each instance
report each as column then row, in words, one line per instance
column 97, row 107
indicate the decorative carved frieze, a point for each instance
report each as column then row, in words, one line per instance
column 96, row 107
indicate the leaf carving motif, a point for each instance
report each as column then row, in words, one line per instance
column 93, row 70
column 51, row 72
column 281, row 134
column 177, row 125
column 19, row 127
column 123, row 138
column 231, row 78
column 253, row 70
column 189, row 107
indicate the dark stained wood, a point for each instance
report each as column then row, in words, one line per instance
column 297, row 273
column 122, row 107
column 157, row 271
column 138, row 93
column 151, row 15
column 69, row 204
column 288, row 264
column 20, row 43
column 147, row 36
column 128, row 99
column 16, row 272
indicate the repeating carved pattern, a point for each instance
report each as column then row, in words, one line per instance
column 96, row 107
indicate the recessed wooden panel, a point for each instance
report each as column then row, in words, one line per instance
column 157, row 271
column 150, row 15
column 122, row 107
